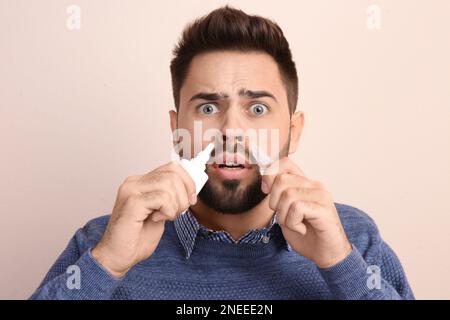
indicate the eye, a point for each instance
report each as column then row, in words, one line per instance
column 208, row 108
column 258, row 109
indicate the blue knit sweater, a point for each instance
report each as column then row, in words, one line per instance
column 223, row 270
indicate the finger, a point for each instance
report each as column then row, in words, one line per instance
column 283, row 182
column 160, row 203
column 291, row 210
column 158, row 216
column 179, row 196
column 294, row 217
column 311, row 194
column 283, row 205
column 188, row 182
column 173, row 185
column 284, row 165
column 138, row 207
column 310, row 212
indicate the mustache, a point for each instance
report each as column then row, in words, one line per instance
column 220, row 148
column 239, row 149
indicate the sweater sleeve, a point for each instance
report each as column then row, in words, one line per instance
column 77, row 275
column 354, row 278
column 372, row 270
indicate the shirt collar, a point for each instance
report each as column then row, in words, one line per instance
column 188, row 229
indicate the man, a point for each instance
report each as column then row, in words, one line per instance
column 246, row 235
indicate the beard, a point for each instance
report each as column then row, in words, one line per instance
column 233, row 196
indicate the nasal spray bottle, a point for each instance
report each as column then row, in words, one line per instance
column 196, row 167
column 261, row 158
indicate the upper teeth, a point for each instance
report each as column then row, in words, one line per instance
column 231, row 164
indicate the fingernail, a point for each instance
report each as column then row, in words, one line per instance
column 193, row 199
column 264, row 187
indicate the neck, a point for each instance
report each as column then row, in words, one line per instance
column 235, row 224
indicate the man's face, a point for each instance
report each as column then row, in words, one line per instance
column 231, row 92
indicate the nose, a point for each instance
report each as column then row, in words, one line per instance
column 233, row 125
column 232, row 120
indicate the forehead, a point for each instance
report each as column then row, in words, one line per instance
column 230, row 71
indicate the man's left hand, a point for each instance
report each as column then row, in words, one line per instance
column 307, row 215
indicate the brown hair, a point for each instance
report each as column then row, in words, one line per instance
column 227, row 28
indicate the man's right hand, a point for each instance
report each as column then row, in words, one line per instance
column 143, row 204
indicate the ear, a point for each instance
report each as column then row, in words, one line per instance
column 173, row 123
column 297, row 122
column 173, row 120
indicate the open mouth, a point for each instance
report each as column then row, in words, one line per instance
column 232, row 170
column 231, row 166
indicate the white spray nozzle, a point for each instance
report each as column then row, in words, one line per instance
column 262, row 159
column 204, row 155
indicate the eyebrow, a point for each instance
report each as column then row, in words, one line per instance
column 252, row 94
column 209, row 96
column 256, row 94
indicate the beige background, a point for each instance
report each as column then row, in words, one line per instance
column 81, row 110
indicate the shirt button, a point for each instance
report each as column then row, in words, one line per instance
column 265, row 239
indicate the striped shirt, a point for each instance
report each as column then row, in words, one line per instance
column 188, row 229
